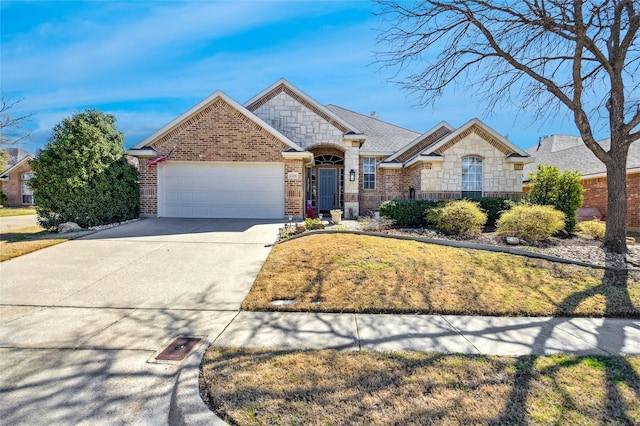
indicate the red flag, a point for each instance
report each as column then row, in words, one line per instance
column 157, row 160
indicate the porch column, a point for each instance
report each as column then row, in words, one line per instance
column 351, row 162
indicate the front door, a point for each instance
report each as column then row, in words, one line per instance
column 327, row 189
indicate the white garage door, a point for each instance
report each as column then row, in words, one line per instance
column 221, row 190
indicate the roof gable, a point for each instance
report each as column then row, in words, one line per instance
column 189, row 117
column 15, row 166
column 283, row 85
column 481, row 129
column 425, row 140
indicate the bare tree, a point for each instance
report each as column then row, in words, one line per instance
column 548, row 56
column 12, row 126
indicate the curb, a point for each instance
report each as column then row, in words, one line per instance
column 186, row 406
column 462, row 244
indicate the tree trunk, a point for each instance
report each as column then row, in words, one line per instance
column 615, row 235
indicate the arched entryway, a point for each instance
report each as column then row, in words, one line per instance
column 325, row 181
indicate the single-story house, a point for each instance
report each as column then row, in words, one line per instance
column 282, row 151
column 570, row 153
column 15, row 179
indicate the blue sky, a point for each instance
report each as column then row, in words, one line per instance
column 146, row 62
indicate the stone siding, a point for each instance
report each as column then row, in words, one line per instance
column 498, row 175
column 297, row 121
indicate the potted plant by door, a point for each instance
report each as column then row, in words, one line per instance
column 336, row 216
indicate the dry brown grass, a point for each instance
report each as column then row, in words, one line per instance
column 17, row 211
column 353, row 273
column 257, row 386
column 21, row 241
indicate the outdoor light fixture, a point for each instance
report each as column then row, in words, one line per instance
column 352, row 175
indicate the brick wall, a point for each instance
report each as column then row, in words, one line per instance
column 595, row 195
column 13, row 187
column 219, row 132
column 294, row 189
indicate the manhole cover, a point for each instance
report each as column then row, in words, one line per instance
column 178, row 349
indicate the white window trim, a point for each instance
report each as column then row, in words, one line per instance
column 481, row 161
column 364, row 173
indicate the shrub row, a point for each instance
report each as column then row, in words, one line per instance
column 406, row 213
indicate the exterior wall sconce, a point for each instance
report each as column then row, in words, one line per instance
column 352, row 175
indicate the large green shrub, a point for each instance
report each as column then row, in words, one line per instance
column 82, row 174
column 459, row 217
column 560, row 190
column 406, row 212
column 494, row 207
column 3, row 198
column 531, row 223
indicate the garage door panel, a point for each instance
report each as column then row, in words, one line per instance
column 249, row 190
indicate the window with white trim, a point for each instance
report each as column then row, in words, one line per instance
column 472, row 177
column 369, row 173
column 27, row 192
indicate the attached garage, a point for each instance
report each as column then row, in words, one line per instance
column 219, row 160
column 221, row 190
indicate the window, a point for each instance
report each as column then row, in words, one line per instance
column 369, row 176
column 27, row 193
column 472, row 177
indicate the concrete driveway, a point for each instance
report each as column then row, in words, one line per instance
column 79, row 321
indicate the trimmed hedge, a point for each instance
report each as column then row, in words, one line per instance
column 407, row 212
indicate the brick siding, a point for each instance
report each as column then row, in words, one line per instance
column 13, row 187
column 595, row 195
column 219, row 132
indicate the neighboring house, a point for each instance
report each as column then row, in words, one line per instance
column 570, row 153
column 15, row 179
column 282, row 151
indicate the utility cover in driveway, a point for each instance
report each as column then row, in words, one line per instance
column 221, row 190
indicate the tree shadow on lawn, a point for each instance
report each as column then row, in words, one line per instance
column 614, row 287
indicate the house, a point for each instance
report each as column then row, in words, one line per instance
column 282, row 150
column 570, row 153
column 15, row 178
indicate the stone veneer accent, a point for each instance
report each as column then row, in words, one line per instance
column 288, row 93
column 498, row 175
column 219, row 132
column 299, row 121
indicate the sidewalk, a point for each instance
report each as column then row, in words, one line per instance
column 500, row 336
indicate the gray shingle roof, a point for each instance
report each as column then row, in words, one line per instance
column 570, row 153
column 382, row 137
column 15, row 155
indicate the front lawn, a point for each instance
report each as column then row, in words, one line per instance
column 353, row 273
column 16, row 211
column 17, row 242
column 263, row 387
